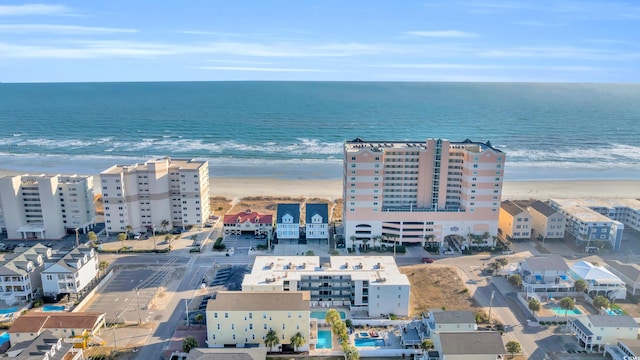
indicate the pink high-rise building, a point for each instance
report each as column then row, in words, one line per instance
column 421, row 191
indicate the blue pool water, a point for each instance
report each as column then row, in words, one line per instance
column 369, row 342
column 560, row 311
column 323, row 314
column 324, row 339
column 8, row 311
column 4, row 338
column 53, row 308
column 613, row 312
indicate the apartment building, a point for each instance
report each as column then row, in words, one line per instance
column 71, row 273
column 46, row 206
column 547, row 222
column 419, row 191
column 514, row 222
column 243, row 319
column 370, row 284
column 317, row 221
column 588, row 225
column 20, row 275
column 160, row 191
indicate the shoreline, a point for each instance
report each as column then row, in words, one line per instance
column 237, row 187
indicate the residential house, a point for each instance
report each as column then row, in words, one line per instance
column 514, row 222
column 317, row 221
column 371, row 284
column 450, row 321
column 63, row 324
column 71, row 273
column 545, row 274
column 587, row 226
column 288, row 221
column 243, row 319
column 422, row 191
column 600, row 281
column 625, row 349
column 248, row 221
column 46, row 206
column 592, row 330
column 629, row 273
column 45, row 346
column 547, row 222
column 469, row 345
column 20, row 279
column 259, row 353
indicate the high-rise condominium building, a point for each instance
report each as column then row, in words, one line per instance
column 421, row 191
column 46, row 206
column 160, row 194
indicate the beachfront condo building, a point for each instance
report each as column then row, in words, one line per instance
column 421, row 191
column 514, row 222
column 240, row 319
column 46, row 206
column 159, row 194
column 370, row 285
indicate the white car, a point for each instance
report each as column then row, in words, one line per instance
column 137, row 236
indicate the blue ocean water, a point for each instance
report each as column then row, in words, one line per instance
column 296, row 129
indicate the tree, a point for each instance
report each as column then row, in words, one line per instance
column 271, row 339
column 502, row 262
column 600, row 302
column 122, row 237
column 364, row 243
column 168, row 238
column 580, row 285
column 513, row 347
column 567, row 304
column 353, row 240
column 515, row 280
column 297, row 340
column 103, row 265
column 92, row 237
column 376, row 239
column 534, row 306
column 189, row 343
column 429, row 240
column 129, row 229
column 199, row 318
column 426, row 344
column 350, row 352
column 164, row 224
column 348, row 323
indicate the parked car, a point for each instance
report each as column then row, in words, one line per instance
column 176, row 231
column 3, row 246
column 427, row 260
column 11, row 247
column 137, row 236
column 21, row 245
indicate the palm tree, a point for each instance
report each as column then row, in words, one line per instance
column 351, row 353
column 428, row 239
column 189, row 343
column 297, row 340
column 164, row 224
column 102, row 265
column 580, row 285
column 376, row 239
column 92, row 237
column 364, row 243
column 122, row 237
column 426, row 344
column 515, row 280
column 129, row 229
column 567, row 304
column 502, row 262
column 353, row 240
column 271, row 339
column 534, row 306
column 600, row 302
column 199, row 318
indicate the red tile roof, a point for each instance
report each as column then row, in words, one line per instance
column 250, row 216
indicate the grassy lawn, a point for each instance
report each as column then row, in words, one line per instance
column 434, row 286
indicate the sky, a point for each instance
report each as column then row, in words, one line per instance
column 320, row 40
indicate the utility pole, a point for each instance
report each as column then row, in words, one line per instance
column 186, row 306
column 115, row 341
column 153, row 229
column 490, row 306
column 138, row 306
column 77, row 239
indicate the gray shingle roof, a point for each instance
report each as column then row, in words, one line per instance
column 546, row 262
column 632, row 271
column 472, row 343
column 613, row 321
column 543, row 208
column 258, row 353
column 320, row 209
column 291, row 209
column 511, row 208
column 454, row 317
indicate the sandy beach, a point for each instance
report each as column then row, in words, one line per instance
column 332, row 189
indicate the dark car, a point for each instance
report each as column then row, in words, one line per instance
column 11, row 246
column 427, row 260
column 176, row 231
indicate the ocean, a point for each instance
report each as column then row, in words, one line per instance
column 295, row 130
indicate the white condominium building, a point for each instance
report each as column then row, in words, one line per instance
column 161, row 191
column 372, row 284
column 421, row 191
column 46, row 206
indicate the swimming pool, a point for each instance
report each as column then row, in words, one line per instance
column 53, row 308
column 614, row 312
column 323, row 314
column 8, row 311
column 560, row 311
column 369, row 342
column 4, row 338
column 324, row 339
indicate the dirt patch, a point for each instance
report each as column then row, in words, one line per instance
column 436, row 287
column 631, row 307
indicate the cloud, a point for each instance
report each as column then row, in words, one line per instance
column 33, row 9
column 442, row 34
column 60, row 29
column 261, row 69
column 560, row 52
column 572, row 68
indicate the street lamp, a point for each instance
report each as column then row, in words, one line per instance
column 153, row 231
column 490, row 306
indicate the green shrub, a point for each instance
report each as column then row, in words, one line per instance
column 218, row 245
column 37, row 303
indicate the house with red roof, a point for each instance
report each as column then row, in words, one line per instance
column 248, row 222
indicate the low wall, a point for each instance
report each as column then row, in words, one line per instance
column 378, row 322
column 90, row 294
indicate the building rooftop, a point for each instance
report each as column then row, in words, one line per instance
column 317, row 209
column 545, row 262
column 269, row 270
column 599, row 274
column 380, row 145
column 511, row 208
column 260, row 301
column 291, row 209
column 543, row 208
column 258, row 353
column 612, row 321
column 185, row 164
column 453, row 317
column 33, row 322
column 633, row 345
column 42, row 345
column 577, row 209
column 632, row 271
column 472, row 343
column 249, row 216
